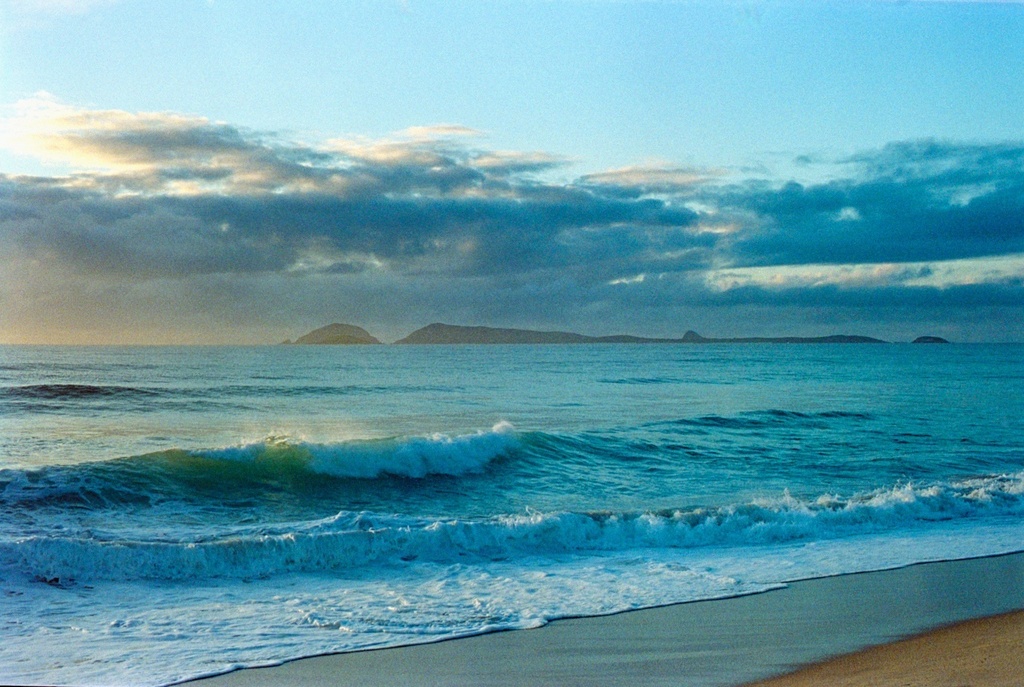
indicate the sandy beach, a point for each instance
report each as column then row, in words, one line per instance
column 987, row 652
column 733, row 641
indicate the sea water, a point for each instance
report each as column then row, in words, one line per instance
column 167, row 513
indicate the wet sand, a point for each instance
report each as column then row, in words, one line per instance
column 717, row 643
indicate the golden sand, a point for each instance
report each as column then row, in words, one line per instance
column 987, row 652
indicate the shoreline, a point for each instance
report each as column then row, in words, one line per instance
column 713, row 643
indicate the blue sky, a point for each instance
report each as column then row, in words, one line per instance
column 214, row 171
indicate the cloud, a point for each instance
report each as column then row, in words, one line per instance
column 159, row 153
column 437, row 131
column 648, row 179
column 428, row 224
column 908, row 202
column 172, row 186
column 940, row 275
column 503, row 163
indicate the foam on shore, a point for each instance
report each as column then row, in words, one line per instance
column 702, row 644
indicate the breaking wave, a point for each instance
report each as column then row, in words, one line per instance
column 167, row 473
column 352, row 541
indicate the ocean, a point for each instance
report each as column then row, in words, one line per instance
column 169, row 513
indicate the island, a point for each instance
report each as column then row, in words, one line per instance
column 439, row 333
column 337, row 334
column 694, row 337
column 455, row 334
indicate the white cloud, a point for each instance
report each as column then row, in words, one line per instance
column 636, row 279
column 848, row 214
column 501, row 159
column 656, row 178
column 438, row 131
column 939, row 274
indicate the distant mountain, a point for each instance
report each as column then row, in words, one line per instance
column 454, row 334
column 929, row 340
column 334, row 334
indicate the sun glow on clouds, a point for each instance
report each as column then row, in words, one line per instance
column 92, row 139
column 152, row 152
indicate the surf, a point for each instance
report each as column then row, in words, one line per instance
column 271, row 462
column 351, row 541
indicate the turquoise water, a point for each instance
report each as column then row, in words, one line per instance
column 173, row 512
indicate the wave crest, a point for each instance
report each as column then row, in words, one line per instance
column 351, row 541
column 413, row 457
column 275, row 461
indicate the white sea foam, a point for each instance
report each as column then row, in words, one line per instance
column 343, row 610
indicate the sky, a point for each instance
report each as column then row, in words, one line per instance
column 220, row 171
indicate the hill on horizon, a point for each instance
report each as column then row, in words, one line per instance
column 439, row 333
column 337, row 334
